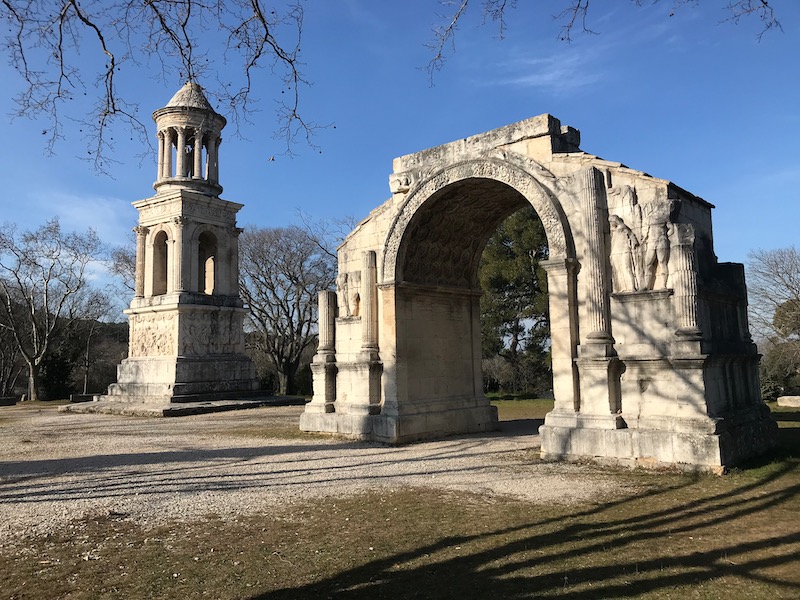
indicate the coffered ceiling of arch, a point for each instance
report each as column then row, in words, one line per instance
column 445, row 239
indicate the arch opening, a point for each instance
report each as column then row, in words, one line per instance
column 439, row 290
column 207, row 263
column 160, row 246
column 515, row 326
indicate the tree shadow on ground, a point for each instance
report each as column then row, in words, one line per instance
column 654, row 542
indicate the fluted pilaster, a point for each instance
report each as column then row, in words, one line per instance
column 181, row 262
column 597, row 303
column 369, row 302
column 685, row 282
column 141, row 238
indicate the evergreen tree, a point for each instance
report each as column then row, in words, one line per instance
column 515, row 328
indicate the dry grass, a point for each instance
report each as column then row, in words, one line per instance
column 681, row 536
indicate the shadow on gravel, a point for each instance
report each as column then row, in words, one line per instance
column 190, row 470
column 521, row 427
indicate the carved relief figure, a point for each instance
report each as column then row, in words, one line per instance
column 624, row 251
column 347, row 291
column 355, row 295
column 343, row 297
column 657, row 255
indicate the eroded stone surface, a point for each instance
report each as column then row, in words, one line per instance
column 652, row 356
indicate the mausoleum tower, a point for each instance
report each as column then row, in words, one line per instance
column 186, row 317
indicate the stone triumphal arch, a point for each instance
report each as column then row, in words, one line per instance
column 651, row 352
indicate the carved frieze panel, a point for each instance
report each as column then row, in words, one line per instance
column 217, row 332
column 152, row 334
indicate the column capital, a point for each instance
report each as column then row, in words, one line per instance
column 141, row 230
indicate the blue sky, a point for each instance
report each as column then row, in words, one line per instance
column 685, row 98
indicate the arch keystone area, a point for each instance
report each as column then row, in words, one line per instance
column 652, row 357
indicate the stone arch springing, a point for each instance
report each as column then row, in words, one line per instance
column 207, row 262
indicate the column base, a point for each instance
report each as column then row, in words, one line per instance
column 690, row 448
column 400, row 429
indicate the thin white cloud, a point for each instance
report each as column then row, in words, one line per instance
column 110, row 217
column 557, row 73
column 566, row 67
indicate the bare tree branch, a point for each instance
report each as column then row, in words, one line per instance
column 575, row 13
column 45, row 40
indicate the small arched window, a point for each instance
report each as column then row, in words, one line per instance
column 207, row 259
column 160, row 263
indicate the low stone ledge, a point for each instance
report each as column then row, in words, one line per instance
column 73, row 398
column 789, row 401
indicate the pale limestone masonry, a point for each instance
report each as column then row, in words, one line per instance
column 186, row 334
column 652, row 357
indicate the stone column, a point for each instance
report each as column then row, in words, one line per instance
column 323, row 366
column 197, row 171
column 141, row 237
column 599, row 369
column 181, row 258
column 369, row 302
column 216, row 160
column 685, row 283
column 223, row 262
column 561, row 280
column 234, row 270
column 211, row 158
column 327, row 321
column 160, row 175
column 597, row 302
column 168, row 153
column 180, row 169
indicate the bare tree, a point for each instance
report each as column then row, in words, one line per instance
column 66, row 49
column 122, row 265
column 773, row 282
column 11, row 365
column 97, row 306
column 572, row 15
column 282, row 272
column 43, row 287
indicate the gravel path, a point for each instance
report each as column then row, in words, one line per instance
column 56, row 467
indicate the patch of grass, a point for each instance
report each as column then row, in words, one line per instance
column 685, row 536
column 679, row 536
column 512, row 410
column 275, row 431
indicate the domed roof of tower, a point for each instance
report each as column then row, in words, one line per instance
column 190, row 96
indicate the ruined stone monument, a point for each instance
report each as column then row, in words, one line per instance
column 651, row 352
column 186, row 336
